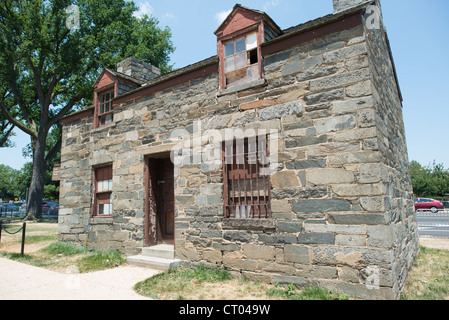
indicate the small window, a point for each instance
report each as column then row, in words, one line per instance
column 103, row 191
column 247, row 190
column 241, row 60
column 106, row 109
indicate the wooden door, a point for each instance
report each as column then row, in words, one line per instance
column 160, row 203
column 166, row 199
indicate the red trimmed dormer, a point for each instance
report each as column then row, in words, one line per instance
column 238, row 43
column 130, row 75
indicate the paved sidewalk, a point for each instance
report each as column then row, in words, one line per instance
column 20, row 281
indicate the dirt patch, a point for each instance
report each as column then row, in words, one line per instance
column 34, row 237
column 434, row 243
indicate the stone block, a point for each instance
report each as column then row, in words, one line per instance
column 292, row 68
column 294, row 226
column 358, row 218
column 339, row 80
column 256, row 252
column 316, row 73
column 373, row 204
column 285, row 179
column 344, row 53
column 332, row 95
column 329, row 176
column 307, row 141
column 299, row 193
column 356, row 190
column 298, row 282
column 359, row 89
column 214, row 256
column 316, row 238
column 306, row 164
column 366, row 118
column 352, row 105
column 296, row 253
column 335, row 124
column 282, row 110
column 237, row 236
column 280, row 206
column 321, row 205
column 351, row 240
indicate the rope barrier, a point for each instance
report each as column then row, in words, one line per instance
column 12, row 233
column 23, row 229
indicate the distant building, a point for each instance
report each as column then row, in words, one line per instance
column 283, row 158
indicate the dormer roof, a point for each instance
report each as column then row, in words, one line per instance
column 242, row 17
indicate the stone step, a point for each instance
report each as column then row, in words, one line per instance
column 154, row 262
column 164, row 251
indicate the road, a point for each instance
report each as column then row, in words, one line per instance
column 433, row 224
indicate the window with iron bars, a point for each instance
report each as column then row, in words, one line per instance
column 246, row 173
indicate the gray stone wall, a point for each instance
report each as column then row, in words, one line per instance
column 342, row 209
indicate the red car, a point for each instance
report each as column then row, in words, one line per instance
column 428, row 204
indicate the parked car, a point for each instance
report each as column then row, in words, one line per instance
column 428, row 204
column 50, row 207
column 8, row 207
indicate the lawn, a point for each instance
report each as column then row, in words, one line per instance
column 43, row 250
column 427, row 281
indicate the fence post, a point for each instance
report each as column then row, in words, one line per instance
column 1, row 228
column 23, row 238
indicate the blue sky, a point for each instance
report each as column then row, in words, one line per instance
column 418, row 32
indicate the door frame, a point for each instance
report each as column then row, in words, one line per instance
column 151, row 214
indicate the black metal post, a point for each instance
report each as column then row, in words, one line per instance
column 23, row 238
column 1, row 228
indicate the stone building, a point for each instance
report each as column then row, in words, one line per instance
column 283, row 158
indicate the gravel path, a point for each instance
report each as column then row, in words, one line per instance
column 20, row 281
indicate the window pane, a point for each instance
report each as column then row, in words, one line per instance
column 229, row 65
column 240, row 45
column 240, row 61
column 251, row 41
column 229, row 49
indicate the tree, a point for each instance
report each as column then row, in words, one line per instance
column 50, row 60
column 430, row 181
column 7, row 188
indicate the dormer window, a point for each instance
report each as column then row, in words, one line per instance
column 106, row 109
column 239, row 39
column 241, row 60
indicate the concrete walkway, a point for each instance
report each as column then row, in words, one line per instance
column 20, row 281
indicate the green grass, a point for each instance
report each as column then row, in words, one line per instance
column 312, row 293
column 58, row 256
column 179, row 282
column 429, row 277
column 100, row 260
column 203, row 283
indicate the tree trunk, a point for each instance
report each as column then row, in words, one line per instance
column 36, row 192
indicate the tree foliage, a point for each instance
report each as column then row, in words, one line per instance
column 47, row 69
column 430, row 181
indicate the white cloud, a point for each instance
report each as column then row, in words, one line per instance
column 168, row 16
column 145, row 8
column 221, row 16
column 272, row 3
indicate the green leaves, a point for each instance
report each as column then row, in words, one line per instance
column 430, row 181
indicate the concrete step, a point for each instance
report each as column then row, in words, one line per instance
column 154, row 262
column 160, row 257
column 164, row 251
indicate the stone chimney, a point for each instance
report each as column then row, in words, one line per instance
column 138, row 70
column 342, row 5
